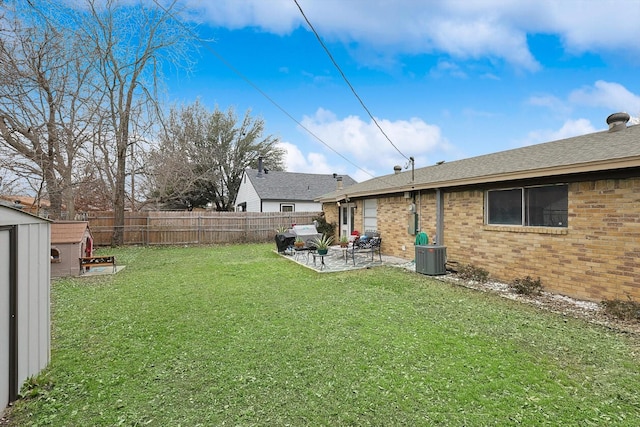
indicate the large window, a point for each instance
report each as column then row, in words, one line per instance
column 544, row 206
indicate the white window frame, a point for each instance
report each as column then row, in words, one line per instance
column 287, row 205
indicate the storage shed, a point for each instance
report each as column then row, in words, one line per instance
column 25, row 334
column 70, row 240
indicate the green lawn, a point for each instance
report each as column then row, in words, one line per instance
column 237, row 335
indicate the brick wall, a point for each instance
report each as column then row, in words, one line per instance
column 596, row 257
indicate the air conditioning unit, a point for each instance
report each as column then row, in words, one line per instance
column 431, row 259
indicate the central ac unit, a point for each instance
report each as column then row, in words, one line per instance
column 431, row 259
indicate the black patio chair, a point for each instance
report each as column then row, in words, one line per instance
column 369, row 243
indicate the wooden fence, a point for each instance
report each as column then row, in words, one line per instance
column 181, row 228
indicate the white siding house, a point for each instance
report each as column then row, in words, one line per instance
column 276, row 191
column 25, row 338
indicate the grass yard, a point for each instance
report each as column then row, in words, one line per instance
column 237, row 335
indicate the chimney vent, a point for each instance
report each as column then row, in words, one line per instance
column 397, row 169
column 260, row 167
column 339, row 182
column 617, row 121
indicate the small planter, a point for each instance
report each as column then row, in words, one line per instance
column 322, row 251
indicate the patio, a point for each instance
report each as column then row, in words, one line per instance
column 335, row 261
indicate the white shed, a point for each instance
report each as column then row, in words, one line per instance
column 25, row 326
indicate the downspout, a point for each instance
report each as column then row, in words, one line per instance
column 439, row 237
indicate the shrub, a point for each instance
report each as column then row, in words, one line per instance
column 471, row 272
column 624, row 310
column 527, row 286
column 324, row 227
column 282, row 229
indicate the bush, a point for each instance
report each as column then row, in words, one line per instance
column 527, row 286
column 471, row 272
column 624, row 310
column 324, row 227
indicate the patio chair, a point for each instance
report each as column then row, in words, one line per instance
column 368, row 243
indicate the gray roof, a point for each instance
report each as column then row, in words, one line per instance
column 600, row 151
column 293, row 186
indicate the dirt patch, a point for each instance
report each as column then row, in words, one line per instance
column 588, row 310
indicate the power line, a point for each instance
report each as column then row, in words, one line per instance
column 256, row 87
column 347, row 80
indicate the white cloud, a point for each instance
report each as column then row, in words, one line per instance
column 364, row 145
column 569, row 129
column 276, row 16
column 551, row 102
column 447, row 68
column 612, row 96
column 296, row 161
column 465, row 30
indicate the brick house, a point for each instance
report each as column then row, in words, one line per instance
column 566, row 211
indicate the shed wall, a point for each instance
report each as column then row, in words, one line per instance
column 34, row 338
column 32, row 304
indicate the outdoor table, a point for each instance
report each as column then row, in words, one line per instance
column 340, row 248
column 303, row 250
column 321, row 256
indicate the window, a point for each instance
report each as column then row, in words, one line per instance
column 55, row 255
column 544, row 206
column 370, row 215
column 286, row 208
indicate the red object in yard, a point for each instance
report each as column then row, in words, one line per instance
column 355, row 233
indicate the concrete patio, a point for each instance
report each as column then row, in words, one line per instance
column 335, row 261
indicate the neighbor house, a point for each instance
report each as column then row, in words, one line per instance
column 70, row 240
column 262, row 190
column 566, row 211
column 25, row 338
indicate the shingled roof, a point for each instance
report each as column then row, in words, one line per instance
column 68, row 231
column 293, row 186
column 595, row 152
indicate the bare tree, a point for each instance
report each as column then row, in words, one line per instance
column 131, row 44
column 201, row 156
column 46, row 103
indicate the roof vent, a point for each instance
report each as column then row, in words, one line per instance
column 617, row 121
column 397, row 169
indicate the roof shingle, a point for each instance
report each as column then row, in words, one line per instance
column 292, row 186
column 594, row 152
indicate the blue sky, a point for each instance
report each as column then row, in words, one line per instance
column 444, row 79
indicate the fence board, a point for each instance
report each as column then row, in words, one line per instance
column 199, row 227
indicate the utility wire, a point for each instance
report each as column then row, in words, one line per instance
column 347, row 80
column 207, row 46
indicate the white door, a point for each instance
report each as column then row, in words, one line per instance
column 347, row 218
column 4, row 318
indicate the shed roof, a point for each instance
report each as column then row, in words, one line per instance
column 11, row 215
column 68, row 231
column 293, row 186
column 595, row 152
